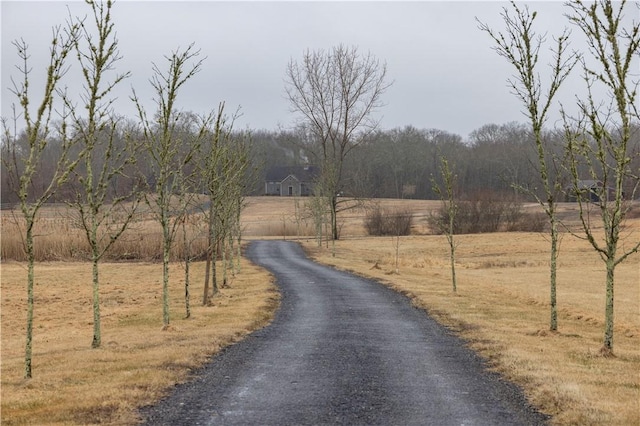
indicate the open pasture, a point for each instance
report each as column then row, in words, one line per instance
column 502, row 309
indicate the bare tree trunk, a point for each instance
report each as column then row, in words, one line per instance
column 187, row 264
column 205, row 296
column 213, row 240
column 166, row 251
column 224, row 263
column 553, row 322
column 97, row 333
column 214, row 274
column 334, row 216
column 452, row 258
column 450, row 235
column 187, row 295
column 608, row 310
column 28, row 352
column 239, row 248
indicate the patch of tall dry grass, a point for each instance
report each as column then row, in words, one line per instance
column 60, row 238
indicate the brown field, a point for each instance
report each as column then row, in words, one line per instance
column 501, row 309
column 138, row 363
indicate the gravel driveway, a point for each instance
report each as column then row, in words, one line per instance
column 342, row 350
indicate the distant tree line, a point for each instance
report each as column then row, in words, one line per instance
column 494, row 161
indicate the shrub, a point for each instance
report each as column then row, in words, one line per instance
column 486, row 212
column 531, row 222
column 379, row 222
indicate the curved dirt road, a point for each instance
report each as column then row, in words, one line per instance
column 342, row 350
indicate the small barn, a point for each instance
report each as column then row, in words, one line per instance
column 290, row 181
column 591, row 190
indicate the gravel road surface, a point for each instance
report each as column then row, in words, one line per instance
column 342, row 350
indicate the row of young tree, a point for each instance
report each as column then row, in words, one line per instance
column 169, row 163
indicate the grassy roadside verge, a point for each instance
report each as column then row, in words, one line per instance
column 502, row 311
column 138, row 363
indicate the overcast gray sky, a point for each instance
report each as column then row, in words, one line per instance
column 445, row 74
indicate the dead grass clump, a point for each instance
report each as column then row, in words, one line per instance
column 287, row 229
column 379, row 221
column 106, row 414
column 497, row 263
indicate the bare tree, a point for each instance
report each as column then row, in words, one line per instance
column 223, row 166
column 211, row 171
column 187, row 200
column 22, row 162
column 102, row 213
column 170, row 150
column 520, row 45
column 192, row 229
column 600, row 139
column 336, row 93
column 446, row 192
column 237, row 175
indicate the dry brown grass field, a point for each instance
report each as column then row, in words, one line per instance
column 138, row 362
column 501, row 309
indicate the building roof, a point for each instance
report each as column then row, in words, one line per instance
column 585, row 184
column 302, row 173
column 589, row 183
